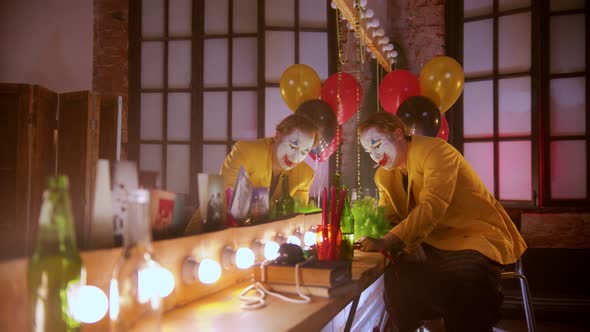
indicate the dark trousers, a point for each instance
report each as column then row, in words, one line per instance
column 462, row 287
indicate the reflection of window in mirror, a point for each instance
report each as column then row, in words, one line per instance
column 521, row 122
column 205, row 74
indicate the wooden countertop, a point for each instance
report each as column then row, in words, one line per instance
column 200, row 306
column 221, row 311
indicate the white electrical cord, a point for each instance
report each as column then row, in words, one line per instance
column 257, row 301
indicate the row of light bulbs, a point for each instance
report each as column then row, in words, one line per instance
column 89, row 304
column 375, row 31
column 208, row 271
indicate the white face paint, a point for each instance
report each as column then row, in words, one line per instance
column 380, row 146
column 291, row 149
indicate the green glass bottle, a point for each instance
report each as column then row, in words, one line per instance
column 347, row 228
column 55, row 269
column 285, row 205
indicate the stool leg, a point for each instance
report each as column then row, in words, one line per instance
column 528, row 305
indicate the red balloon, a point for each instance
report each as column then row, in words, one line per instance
column 325, row 154
column 396, row 87
column 443, row 132
column 348, row 95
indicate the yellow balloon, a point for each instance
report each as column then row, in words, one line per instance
column 441, row 80
column 299, row 83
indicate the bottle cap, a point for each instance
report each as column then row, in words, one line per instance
column 58, row 182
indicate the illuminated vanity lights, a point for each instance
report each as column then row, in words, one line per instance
column 271, row 250
column 244, row 258
column 154, row 278
column 293, row 239
column 207, row 272
column 309, row 238
column 88, row 304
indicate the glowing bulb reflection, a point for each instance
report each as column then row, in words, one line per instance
column 294, row 240
column 209, row 271
column 166, row 282
column 114, row 300
column 244, row 258
column 271, row 250
column 309, row 238
column 88, row 304
column 147, row 281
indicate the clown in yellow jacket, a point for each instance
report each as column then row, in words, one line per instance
column 451, row 236
column 265, row 160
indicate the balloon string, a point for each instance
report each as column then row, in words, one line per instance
column 358, row 119
column 338, row 85
column 378, row 84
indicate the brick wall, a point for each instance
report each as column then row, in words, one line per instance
column 417, row 26
column 111, row 48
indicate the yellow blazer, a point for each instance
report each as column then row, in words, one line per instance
column 449, row 207
column 256, row 158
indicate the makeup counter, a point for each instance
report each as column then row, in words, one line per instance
column 194, row 305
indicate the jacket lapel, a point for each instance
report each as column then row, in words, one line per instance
column 410, row 178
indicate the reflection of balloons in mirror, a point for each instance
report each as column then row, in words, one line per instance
column 320, row 113
column 322, row 154
column 345, row 87
column 441, row 80
column 396, row 87
column 298, row 84
column 443, row 132
column 420, row 115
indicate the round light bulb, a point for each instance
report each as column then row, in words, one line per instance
column 378, row 33
column 165, row 281
column 88, row 304
column 369, row 13
column 309, row 238
column 209, row 271
column 244, row 258
column 271, row 250
column 333, row 5
column 148, row 281
column 294, row 240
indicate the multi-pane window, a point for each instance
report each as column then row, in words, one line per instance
column 205, row 74
column 524, row 112
column 164, row 91
column 567, row 101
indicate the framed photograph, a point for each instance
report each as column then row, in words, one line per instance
column 259, row 205
column 242, row 196
column 161, row 211
column 215, row 204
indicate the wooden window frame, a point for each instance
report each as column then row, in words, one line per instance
column 540, row 112
column 197, row 88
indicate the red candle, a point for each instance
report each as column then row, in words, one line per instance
column 324, row 206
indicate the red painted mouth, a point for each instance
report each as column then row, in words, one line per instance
column 384, row 160
column 288, row 162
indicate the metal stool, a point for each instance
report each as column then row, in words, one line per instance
column 526, row 294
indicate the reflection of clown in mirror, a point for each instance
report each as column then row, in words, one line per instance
column 267, row 159
column 292, row 148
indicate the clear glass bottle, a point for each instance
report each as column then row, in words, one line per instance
column 347, row 228
column 135, row 300
column 285, row 205
column 55, row 270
